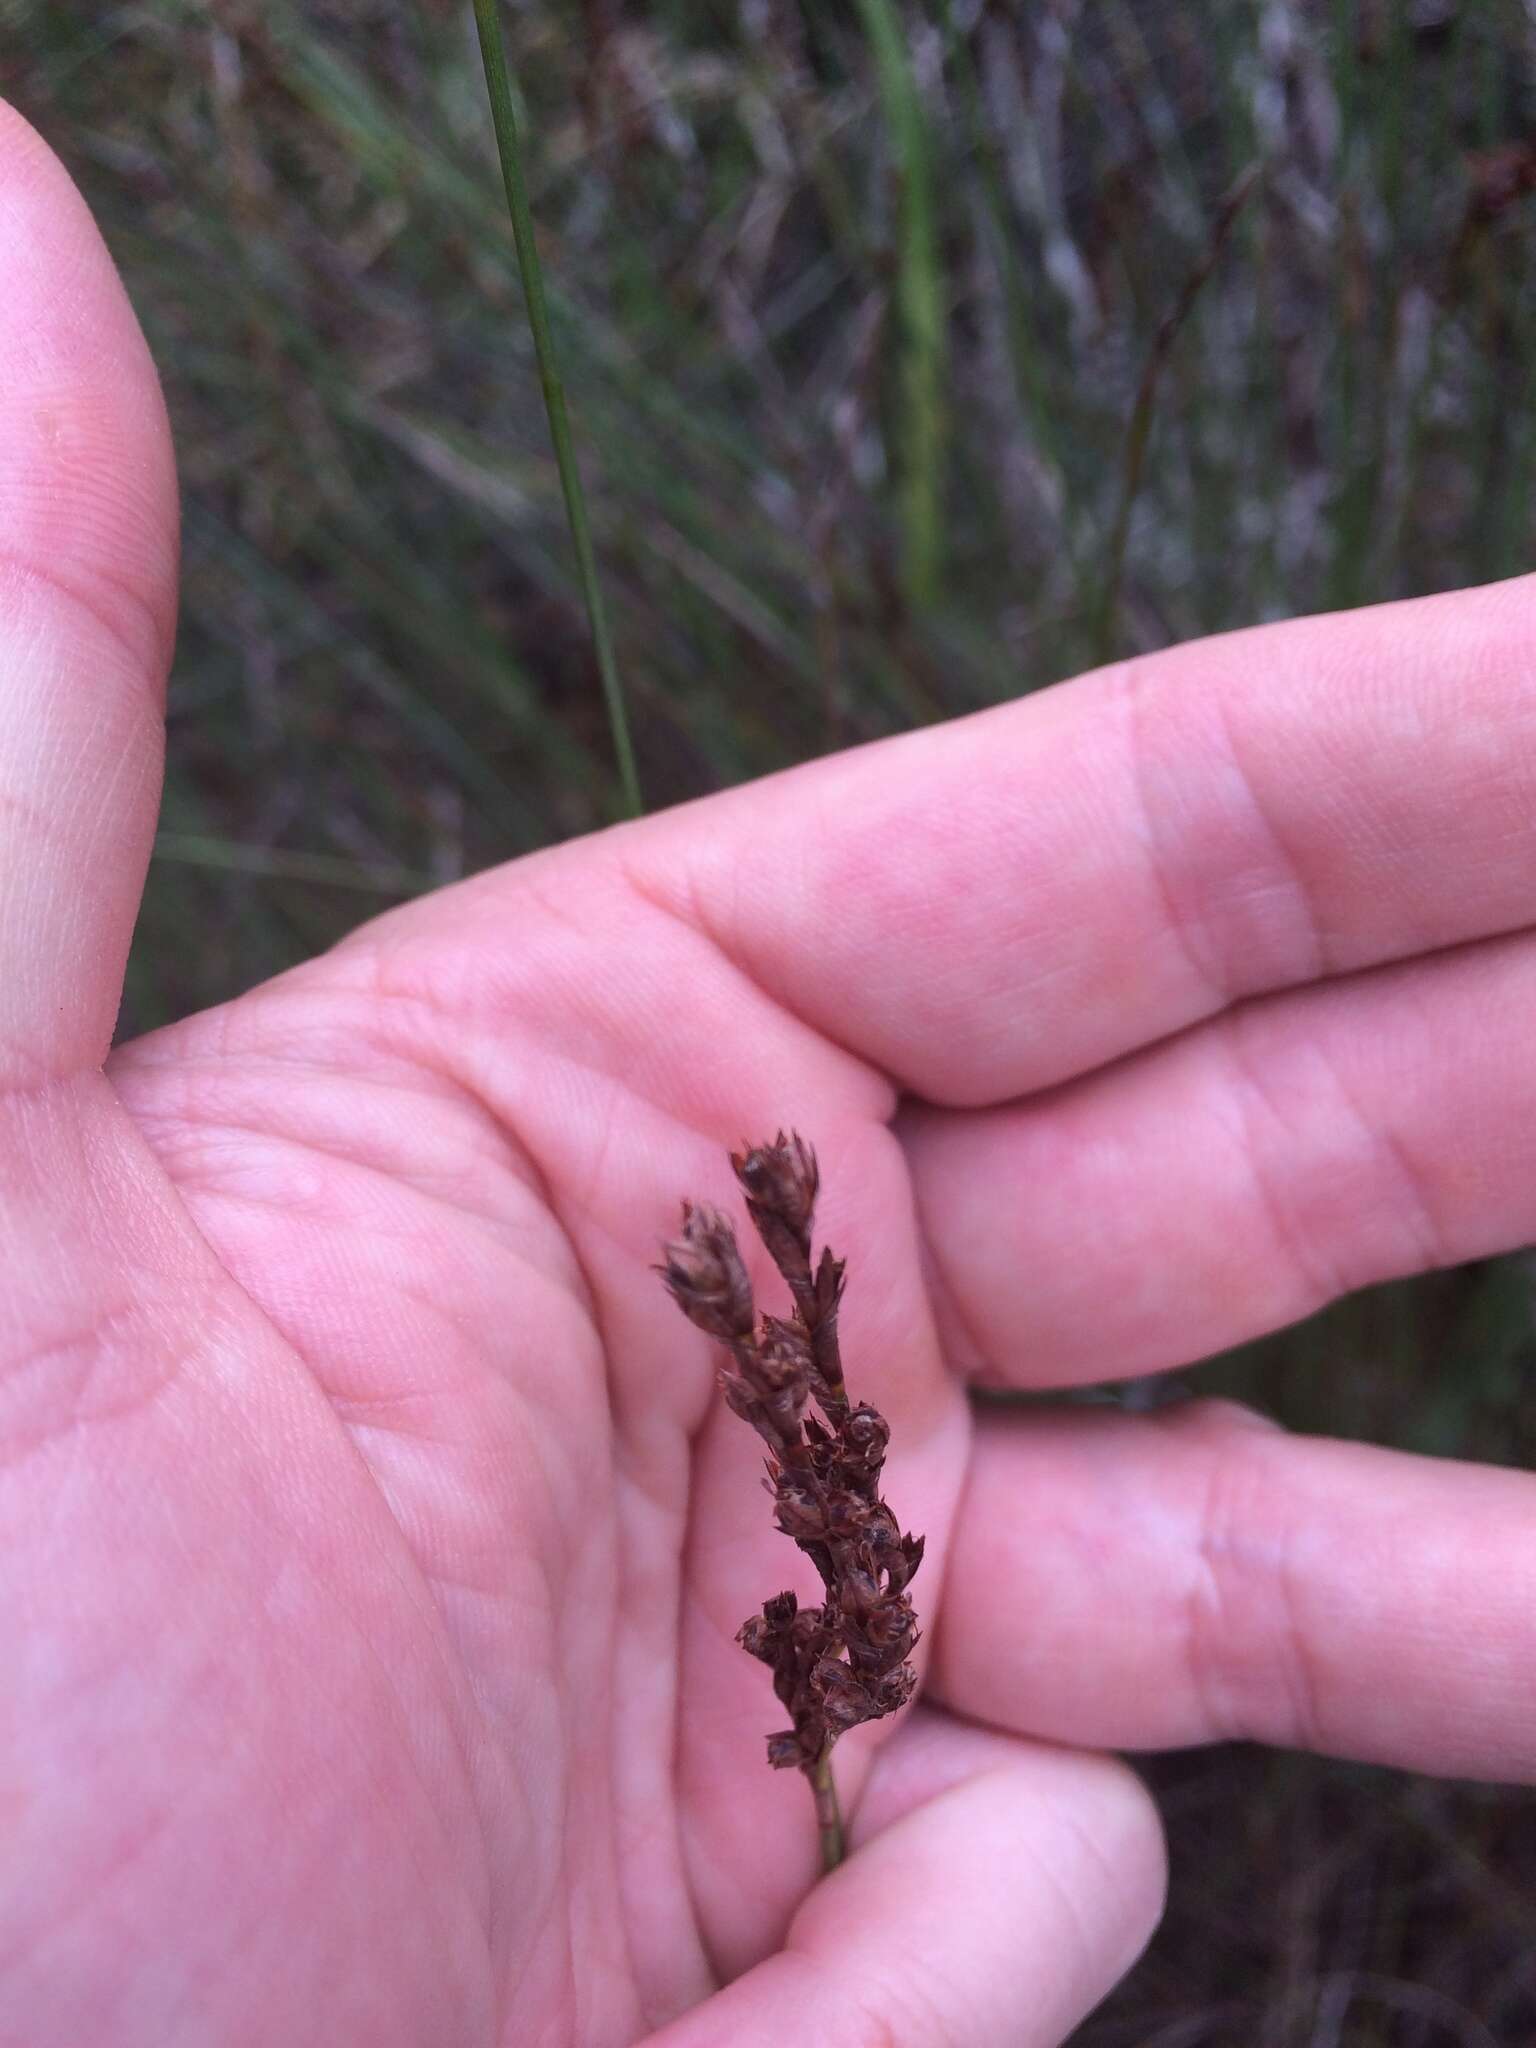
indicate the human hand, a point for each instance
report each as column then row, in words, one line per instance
column 373, row 1547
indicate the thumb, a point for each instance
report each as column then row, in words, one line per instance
column 1008, row 1889
column 88, row 523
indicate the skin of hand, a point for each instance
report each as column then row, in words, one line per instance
column 371, row 1542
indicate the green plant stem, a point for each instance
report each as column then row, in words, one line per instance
column 829, row 1816
column 498, row 87
column 920, row 302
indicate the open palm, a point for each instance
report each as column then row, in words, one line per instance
column 373, row 1543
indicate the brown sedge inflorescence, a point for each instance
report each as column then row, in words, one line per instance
column 844, row 1661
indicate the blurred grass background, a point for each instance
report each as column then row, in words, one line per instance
column 921, row 352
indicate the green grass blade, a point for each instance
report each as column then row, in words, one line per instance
column 499, row 88
column 272, row 863
column 1139, row 431
column 920, row 301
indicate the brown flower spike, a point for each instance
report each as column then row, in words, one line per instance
column 845, row 1661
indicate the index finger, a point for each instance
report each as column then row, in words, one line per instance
column 995, row 905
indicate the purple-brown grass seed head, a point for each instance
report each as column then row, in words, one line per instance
column 858, row 1593
column 891, row 1626
column 895, row 1689
column 781, row 1358
column 742, row 1401
column 788, row 1338
column 780, row 1367
column 850, row 1514
column 879, row 1529
column 759, row 1638
column 841, row 1663
column 780, row 1182
column 821, row 1447
column 810, row 1632
column 707, row 1277
column 831, row 1275
column 904, row 1561
column 843, row 1699
column 798, row 1511
column 864, row 1434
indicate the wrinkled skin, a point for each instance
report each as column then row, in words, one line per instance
column 371, row 1540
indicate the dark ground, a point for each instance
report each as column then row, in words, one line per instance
column 854, row 304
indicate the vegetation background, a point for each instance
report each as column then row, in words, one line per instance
column 921, row 353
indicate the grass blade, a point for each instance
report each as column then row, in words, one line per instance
column 273, row 863
column 920, row 301
column 1139, row 431
column 499, row 88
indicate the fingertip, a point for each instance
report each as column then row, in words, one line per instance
column 996, row 1892
column 1009, row 1900
column 88, row 501
column 1074, row 1825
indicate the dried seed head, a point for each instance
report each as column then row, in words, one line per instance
column 910, row 1556
column 843, row 1663
column 777, row 1370
column 829, row 1284
column 763, row 1635
column 809, row 1631
column 895, row 1689
column 849, row 1513
column 707, row 1276
column 891, row 1626
column 772, row 1416
column 798, row 1511
column 844, row 1701
column 782, row 1358
column 783, row 1335
column 863, row 1435
column 858, row 1592
column 757, row 1638
column 780, row 1182
column 781, row 1610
